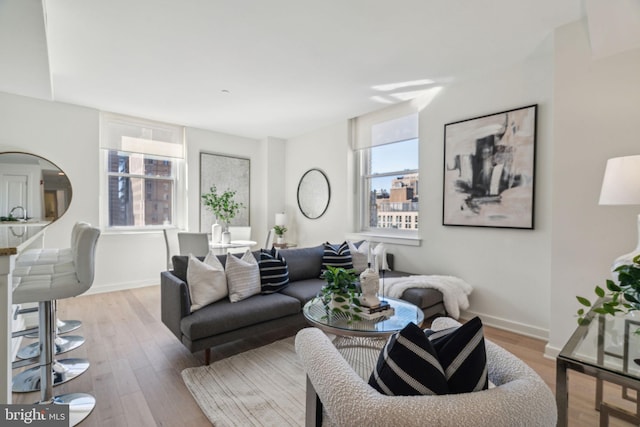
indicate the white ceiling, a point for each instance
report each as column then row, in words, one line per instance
column 289, row 66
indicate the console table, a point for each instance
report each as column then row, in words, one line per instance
column 604, row 348
column 13, row 240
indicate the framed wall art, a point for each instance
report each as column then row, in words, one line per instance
column 489, row 170
column 227, row 173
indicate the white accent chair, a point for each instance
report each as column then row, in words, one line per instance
column 520, row 397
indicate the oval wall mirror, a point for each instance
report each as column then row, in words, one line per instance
column 37, row 190
column 314, row 193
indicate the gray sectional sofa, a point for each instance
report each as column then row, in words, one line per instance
column 224, row 321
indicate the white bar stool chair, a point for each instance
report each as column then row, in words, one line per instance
column 50, row 261
column 48, row 256
column 45, row 289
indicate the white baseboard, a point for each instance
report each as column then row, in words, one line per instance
column 100, row 289
column 509, row 325
column 551, row 352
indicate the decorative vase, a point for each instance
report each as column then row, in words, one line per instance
column 280, row 240
column 337, row 301
column 226, row 237
column 216, row 232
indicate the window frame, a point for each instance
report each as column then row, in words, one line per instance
column 363, row 192
column 178, row 178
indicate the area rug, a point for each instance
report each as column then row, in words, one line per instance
column 260, row 387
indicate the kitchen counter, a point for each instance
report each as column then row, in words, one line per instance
column 14, row 238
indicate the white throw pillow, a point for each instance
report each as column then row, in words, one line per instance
column 207, row 281
column 380, row 257
column 359, row 255
column 243, row 276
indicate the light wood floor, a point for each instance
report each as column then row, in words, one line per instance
column 136, row 364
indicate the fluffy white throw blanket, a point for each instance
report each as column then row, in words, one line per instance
column 454, row 290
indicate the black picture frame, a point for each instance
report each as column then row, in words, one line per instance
column 489, row 170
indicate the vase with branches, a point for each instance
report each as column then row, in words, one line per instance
column 223, row 205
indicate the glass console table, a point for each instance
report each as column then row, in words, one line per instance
column 605, row 348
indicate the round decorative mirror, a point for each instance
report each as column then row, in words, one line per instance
column 37, row 190
column 314, row 193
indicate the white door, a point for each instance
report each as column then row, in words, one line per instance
column 15, row 193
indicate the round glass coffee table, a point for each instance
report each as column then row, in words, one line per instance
column 360, row 341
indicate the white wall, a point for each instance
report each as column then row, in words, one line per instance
column 509, row 269
column 67, row 135
column 326, row 149
column 596, row 117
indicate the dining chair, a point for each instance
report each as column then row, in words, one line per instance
column 269, row 242
column 193, row 243
column 172, row 244
column 240, row 233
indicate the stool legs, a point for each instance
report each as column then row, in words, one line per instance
column 80, row 404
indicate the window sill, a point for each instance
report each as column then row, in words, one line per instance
column 406, row 239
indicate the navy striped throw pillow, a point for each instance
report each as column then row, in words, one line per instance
column 408, row 366
column 336, row 256
column 274, row 273
column 462, row 354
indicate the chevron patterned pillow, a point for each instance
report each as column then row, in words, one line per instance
column 336, row 256
column 274, row 273
column 462, row 354
column 408, row 366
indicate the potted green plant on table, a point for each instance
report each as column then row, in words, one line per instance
column 621, row 297
column 280, row 230
column 225, row 208
column 340, row 293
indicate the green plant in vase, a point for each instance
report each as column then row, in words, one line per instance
column 223, row 205
column 621, row 297
column 340, row 293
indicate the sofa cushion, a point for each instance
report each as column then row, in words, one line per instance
column 206, row 280
column 243, row 276
column 274, row 274
column 225, row 316
column 408, row 366
column 304, row 290
column 180, row 265
column 303, row 263
column 462, row 354
column 336, row 255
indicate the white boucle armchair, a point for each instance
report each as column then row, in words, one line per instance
column 520, row 397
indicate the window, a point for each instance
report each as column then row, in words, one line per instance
column 141, row 162
column 388, row 168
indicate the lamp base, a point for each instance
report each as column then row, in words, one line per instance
column 627, row 258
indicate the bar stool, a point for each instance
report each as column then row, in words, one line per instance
column 48, row 256
column 44, row 289
column 49, row 261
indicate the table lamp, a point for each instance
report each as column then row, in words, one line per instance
column 621, row 186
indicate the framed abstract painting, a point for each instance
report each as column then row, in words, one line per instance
column 489, row 170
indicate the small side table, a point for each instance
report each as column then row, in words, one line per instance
column 285, row 245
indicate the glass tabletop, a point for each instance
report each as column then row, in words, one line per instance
column 607, row 342
column 318, row 315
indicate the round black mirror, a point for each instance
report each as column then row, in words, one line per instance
column 314, row 193
column 37, row 191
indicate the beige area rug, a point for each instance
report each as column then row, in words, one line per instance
column 260, row 387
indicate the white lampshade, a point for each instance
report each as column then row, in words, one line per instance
column 281, row 219
column 621, row 186
column 621, row 183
